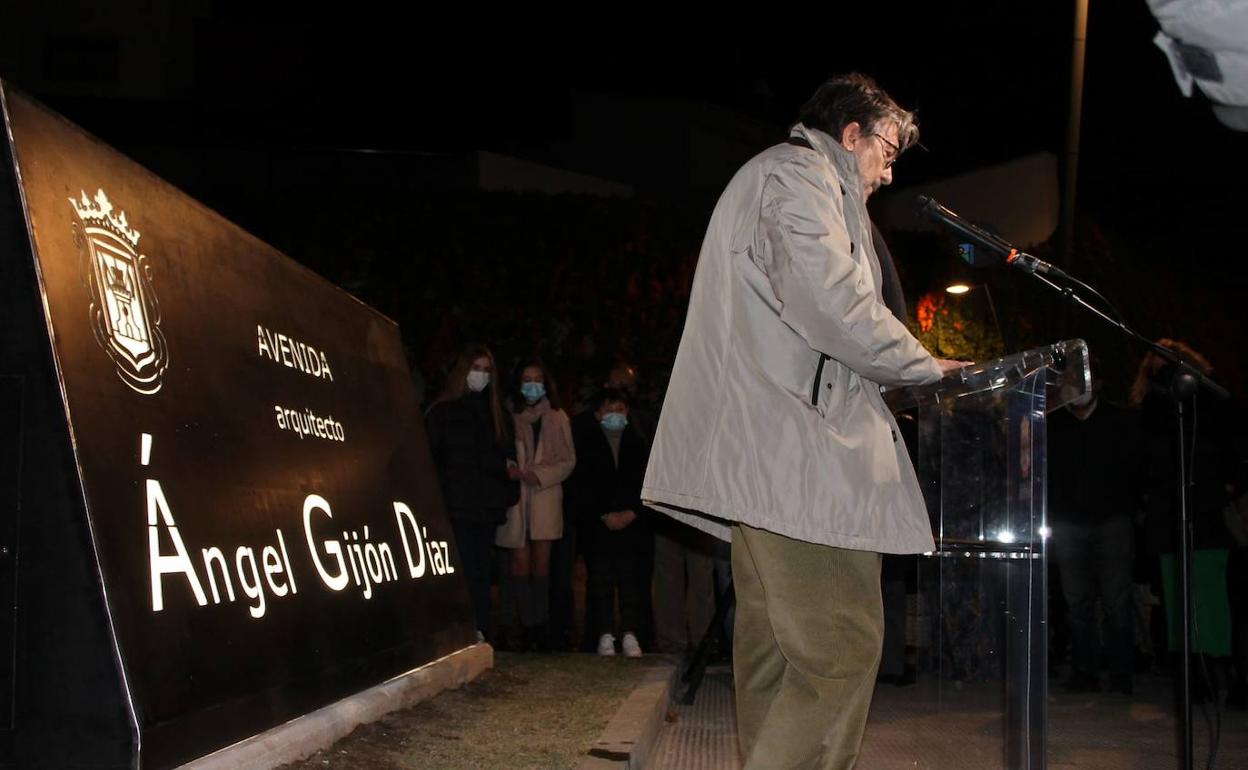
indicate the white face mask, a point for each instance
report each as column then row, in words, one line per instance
column 478, row 380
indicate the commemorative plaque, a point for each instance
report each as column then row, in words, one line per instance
column 219, row 511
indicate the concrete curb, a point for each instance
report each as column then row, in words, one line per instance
column 630, row 735
column 312, row 732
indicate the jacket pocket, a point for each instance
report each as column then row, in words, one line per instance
column 814, row 388
column 823, row 384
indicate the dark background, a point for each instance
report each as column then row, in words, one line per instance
column 351, row 141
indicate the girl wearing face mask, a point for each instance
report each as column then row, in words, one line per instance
column 472, row 442
column 545, row 457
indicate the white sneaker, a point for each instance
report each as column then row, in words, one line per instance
column 606, row 645
column 630, row 646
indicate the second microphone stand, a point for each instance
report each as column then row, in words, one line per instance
column 1188, row 379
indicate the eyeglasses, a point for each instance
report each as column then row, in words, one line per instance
column 889, row 160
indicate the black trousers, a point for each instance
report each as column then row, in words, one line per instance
column 476, row 555
column 615, row 572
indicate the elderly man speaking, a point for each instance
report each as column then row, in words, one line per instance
column 774, row 434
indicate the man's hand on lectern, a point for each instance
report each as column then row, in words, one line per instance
column 948, row 365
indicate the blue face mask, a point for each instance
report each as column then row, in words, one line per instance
column 614, row 421
column 533, row 391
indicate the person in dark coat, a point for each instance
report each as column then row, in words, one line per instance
column 470, row 437
column 605, row 494
column 1094, row 492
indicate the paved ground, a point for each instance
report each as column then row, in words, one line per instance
column 1092, row 732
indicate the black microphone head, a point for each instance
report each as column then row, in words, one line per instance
column 922, row 204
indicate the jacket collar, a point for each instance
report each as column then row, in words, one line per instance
column 842, row 159
column 857, row 220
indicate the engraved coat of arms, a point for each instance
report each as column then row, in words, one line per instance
column 124, row 313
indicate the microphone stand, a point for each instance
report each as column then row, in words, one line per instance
column 1194, row 378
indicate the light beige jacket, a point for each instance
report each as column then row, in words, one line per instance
column 539, row 514
column 773, row 416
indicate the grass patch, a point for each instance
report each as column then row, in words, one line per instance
column 530, row 712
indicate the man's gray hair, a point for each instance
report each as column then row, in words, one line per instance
column 855, row 98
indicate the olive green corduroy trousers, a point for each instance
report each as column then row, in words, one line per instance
column 806, row 646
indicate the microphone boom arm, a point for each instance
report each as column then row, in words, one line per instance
column 1041, row 270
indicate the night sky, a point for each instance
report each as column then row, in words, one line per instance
column 990, row 82
column 1160, row 180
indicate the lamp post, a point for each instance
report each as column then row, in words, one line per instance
column 959, row 288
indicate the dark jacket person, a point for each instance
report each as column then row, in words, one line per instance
column 605, row 495
column 471, row 442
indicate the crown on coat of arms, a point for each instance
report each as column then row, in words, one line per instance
column 100, row 211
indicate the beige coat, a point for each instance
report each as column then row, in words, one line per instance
column 539, row 514
column 758, row 426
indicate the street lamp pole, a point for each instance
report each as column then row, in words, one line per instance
column 963, row 288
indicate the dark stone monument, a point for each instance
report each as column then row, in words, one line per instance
column 217, row 507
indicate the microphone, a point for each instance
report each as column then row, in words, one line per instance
column 929, row 208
